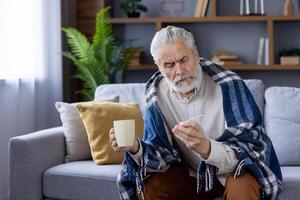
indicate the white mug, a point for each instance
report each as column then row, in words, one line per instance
column 125, row 132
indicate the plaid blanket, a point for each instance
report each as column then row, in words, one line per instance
column 245, row 134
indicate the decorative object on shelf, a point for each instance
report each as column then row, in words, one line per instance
column 201, row 8
column 171, row 8
column 226, row 58
column 290, row 60
column 136, row 57
column 288, row 8
column 132, row 8
column 99, row 62
column 290, row 56
column 246, row 5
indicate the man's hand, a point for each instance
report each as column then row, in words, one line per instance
column 113, row 142
column 191, row 134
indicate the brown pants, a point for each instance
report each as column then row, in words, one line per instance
column 176, row 184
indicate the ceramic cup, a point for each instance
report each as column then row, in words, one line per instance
column 125, row 132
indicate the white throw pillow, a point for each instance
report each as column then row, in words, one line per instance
column 282, row 122
column 77, row 145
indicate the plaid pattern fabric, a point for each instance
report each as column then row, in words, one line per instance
column 245, row 134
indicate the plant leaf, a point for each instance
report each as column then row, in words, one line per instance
column 79, row 45
column 103, row 39
column 83, row 73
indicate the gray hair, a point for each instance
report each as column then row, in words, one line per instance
column 170, row 34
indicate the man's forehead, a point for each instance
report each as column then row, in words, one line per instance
column 174, row 51
column 172, row 56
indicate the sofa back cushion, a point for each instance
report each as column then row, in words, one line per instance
column 77, row 146
column 282, row 122
column 257, row 89
column 98, row 120
column 135, row 92
column 127, row 92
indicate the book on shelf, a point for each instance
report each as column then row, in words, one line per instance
column 263, row 51
column 204, row 8
column 201, row 8
column 224, row 55
column 260, row 50
column 222, row 52
column 198, row 8
column 267, row 51
column 225, row 58
column 227, row 62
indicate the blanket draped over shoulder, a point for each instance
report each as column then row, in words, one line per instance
column 245, row 134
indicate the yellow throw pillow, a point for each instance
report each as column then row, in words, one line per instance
column 98, row 120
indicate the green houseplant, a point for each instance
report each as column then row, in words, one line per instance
column 133, row 7
column 290, row 52
column 99, row 62
column 290, row 56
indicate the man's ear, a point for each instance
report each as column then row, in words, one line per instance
column 196, row 53
column 157, row 62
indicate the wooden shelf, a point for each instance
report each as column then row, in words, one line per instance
column 141, row 20
column 286, row 18
column 220, row 19
column 159, row 21
column 255, row 67
column 87, row 10
column 269, row 20
column 245, row 67
column 142, row 67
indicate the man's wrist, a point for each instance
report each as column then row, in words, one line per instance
column 205, row 150
column 135, row 148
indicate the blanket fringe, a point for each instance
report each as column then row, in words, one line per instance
column 239, row 169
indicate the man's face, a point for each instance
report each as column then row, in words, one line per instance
column 179, row 64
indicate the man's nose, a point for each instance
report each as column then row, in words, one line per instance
column 179, row 69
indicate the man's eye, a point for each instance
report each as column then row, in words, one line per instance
column 183, row 60
column 169, row 65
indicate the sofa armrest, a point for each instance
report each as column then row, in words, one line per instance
column 29, row 156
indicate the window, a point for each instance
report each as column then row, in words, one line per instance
column 20, row 38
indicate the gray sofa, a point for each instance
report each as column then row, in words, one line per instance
column 37, row 169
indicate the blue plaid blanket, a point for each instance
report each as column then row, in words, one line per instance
column 245, row 134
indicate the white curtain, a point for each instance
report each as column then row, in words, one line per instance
column 30, row 71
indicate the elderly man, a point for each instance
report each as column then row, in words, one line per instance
column 203, row 134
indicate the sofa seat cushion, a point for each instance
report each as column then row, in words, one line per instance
column 282, row 122
column 85, row 180
column 81, row 180
column 291, row 182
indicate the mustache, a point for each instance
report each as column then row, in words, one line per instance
column 180, row 78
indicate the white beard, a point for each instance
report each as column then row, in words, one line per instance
column 185, row 87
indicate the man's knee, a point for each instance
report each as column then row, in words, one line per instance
column 245, row 187
column 159, row 185
column 173, row 184
column 154, row 187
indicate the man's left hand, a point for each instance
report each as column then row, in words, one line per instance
column 191, row 134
